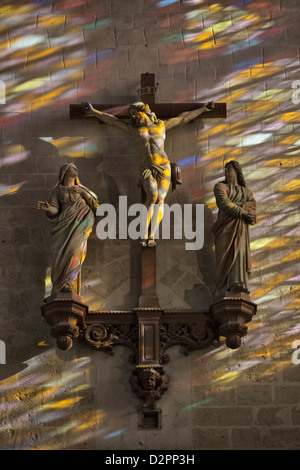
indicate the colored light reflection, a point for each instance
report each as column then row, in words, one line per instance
column 57, row 400
column 261, row 132
column 26, row 48
column 42, row 72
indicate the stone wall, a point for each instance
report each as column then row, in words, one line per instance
column 58, row 52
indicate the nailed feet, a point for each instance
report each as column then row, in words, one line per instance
column 148, row 242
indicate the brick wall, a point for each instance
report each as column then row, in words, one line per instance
column 55, row 53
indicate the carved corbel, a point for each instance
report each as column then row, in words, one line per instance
column 66, row 313
column 231, row 313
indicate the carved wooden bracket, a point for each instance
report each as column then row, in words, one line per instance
column 148, row 333
column 65, row 312
column 231, row 313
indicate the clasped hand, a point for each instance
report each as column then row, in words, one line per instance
column 249, row 216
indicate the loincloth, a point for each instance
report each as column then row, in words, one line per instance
column 156, row 171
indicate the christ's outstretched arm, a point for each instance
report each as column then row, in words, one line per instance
column 107, row 118
column 188, row 116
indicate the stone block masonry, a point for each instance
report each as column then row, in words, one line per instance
column 56, row 53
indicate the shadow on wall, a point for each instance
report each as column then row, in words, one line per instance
column 201, row 295
column 186, row 277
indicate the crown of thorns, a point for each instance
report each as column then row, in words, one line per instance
column 140, row 106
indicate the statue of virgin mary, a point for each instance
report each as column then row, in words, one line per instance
column 71, row 209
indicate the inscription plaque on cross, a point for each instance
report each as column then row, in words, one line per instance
column 148, row 330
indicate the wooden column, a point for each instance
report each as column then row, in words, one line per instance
column 149, row 337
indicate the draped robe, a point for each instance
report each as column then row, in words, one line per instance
column 72, row 227
column 231, row 230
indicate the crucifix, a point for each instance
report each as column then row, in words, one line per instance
column 148, row 330
column 148, row 128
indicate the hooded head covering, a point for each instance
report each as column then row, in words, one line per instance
column 62, row 173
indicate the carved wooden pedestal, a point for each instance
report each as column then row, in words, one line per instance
column 230, row 314
column 65, row 312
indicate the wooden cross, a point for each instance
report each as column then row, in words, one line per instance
column 147, row 96
column 148, row 330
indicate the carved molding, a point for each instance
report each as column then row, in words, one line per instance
column 105, row 337
column 192, row 336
